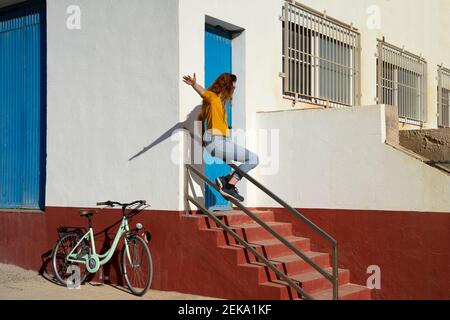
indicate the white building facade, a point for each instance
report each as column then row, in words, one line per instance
column 114, row 86
column 116, row 112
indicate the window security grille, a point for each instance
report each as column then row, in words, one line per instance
column 401, row 81
column 321, row 58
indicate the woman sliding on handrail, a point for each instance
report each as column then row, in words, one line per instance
column 216, row 139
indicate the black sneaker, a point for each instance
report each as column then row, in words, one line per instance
column 221, row 182
column 231, row 192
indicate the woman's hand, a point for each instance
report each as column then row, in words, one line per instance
column 190, row 81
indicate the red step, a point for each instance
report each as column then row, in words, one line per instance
column 233, row 217
column 290, row 265
column 273, row 248
column 345, row 292
column 313, row 281
column 249, row 232
column 293, row 264
column 270, row 249
column 310, row 282
column 253, row 232
column 277, row 291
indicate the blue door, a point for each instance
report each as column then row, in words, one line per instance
column 22, row 106
column 217, row 60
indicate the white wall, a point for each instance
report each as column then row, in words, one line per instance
column 115, row 85
column 112, row 90
column 419, row 25
column 337, row 159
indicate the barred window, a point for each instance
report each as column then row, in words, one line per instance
column 401, row 82
column 443, row 97
column 321, row 58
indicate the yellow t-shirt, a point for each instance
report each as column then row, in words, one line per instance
column 214, row 114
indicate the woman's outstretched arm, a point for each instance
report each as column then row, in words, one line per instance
column 192, row 81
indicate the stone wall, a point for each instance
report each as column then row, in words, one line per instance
column 433, row 144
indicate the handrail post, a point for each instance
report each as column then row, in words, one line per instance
column 335, row 273
column 186, row 190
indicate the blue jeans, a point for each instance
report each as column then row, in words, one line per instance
column 224, row 148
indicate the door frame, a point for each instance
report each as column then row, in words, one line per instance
column 237, row 35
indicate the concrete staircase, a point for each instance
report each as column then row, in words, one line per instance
column 262, row 282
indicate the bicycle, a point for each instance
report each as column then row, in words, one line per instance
column 77, row 249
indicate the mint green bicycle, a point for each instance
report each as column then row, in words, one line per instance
column 77, row 249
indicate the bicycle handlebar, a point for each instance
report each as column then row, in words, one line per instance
column 123, row 205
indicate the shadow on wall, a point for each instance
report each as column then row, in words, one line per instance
column 188, row 126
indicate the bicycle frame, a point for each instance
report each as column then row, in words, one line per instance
column 99, row 259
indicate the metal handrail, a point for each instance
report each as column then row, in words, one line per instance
column 332, row 278
column 249, row 247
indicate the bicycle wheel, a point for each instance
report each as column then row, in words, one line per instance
column 62, row 268
column 137, row 267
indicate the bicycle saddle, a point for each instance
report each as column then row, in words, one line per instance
column 86, row 213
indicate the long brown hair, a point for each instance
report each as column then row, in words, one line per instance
column 224, row 85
